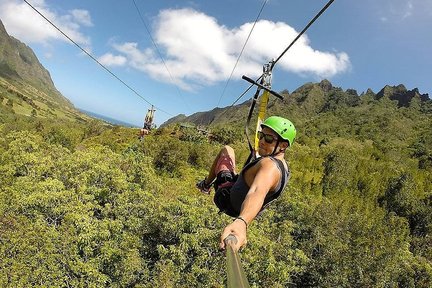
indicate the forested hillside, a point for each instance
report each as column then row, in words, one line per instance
column 83, row 204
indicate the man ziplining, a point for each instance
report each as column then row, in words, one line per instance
column 148, row 123
column 261, row 181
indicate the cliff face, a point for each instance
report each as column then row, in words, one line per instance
column 403, row 96
column 18, row 63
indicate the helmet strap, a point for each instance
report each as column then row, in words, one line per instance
column 274, row 150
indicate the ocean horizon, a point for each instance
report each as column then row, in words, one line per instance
column 108, row 119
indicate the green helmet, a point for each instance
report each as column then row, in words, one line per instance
column 283, row 127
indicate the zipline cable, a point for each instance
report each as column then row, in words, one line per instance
column 159, row 53
column 94, row 59
column 241, row 52
column 238, row 98
column 302, row 32
column 283, row 53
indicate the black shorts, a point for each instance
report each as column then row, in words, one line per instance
column 222, row 185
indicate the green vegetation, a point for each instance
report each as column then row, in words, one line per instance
column 83, row 204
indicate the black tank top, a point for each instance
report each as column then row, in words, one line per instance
column 240, row 188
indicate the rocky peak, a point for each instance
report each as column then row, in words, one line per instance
column 352, row 92
column 401, row 94
column 325, row 85
column 369, row 91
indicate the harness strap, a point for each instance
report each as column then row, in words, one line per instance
column 270, row 198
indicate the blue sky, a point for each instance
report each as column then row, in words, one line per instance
column 354, row 44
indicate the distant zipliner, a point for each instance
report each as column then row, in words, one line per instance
column 148, row 123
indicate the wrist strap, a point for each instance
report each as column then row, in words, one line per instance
column 241, row 218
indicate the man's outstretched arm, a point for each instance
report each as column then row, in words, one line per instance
column 266, row 177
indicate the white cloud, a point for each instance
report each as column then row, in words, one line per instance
column 82, row 16
column 409, row 13
column 396, row 10
column 199, row 51
column 402, row 10
column 409, row 9
column 112, row 60
column 22, row 22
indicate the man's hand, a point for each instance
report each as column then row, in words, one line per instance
column 238, row 229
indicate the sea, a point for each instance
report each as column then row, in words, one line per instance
column 109, row 119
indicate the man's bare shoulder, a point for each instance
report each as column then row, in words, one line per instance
column 267, row 164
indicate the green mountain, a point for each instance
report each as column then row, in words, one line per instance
column 26, row 87
column 393, row 118
column 311, row 100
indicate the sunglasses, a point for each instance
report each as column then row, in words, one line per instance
column 268, row 138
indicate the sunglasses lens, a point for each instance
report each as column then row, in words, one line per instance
column 267, row 137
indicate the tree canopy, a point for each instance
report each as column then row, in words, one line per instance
column 83, row 204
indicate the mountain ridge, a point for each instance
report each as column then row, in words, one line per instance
column 308, row 100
